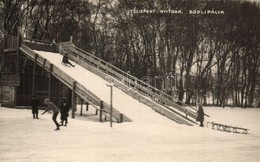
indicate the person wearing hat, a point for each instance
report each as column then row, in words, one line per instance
column 55, row 110
column 35, row 105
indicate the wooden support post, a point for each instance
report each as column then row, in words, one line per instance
column 81, row 106
column 101, row 110
column 19, row 40
column 34, row 74
column 121, row 118
column 60, row 51
column 111, row 106
column 44, row 62
column 4, row 41
column 98, row 65
column 2, row 67
column 73, row 100
column 50, row 76
column 87, row 106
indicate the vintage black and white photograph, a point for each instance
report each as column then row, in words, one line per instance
column 129, row 80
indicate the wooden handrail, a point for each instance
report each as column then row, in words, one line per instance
column 35, row 41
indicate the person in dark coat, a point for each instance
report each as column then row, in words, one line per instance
column 35, row 105
column 65, row 60
column 55, row 110
column 200, row 116
column 64, row 110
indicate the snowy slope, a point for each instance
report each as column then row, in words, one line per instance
column 124, row 103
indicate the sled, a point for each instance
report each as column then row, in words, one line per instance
column 228, row 128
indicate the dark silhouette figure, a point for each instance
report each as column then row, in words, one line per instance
column 64, row 110
column 65, row 60
column 55, row 110
column 35, row 105
column 200, row 116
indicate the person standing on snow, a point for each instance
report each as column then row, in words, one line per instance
column 35, row 105
column 200, row 116
column 55, row 111
column 64, row 110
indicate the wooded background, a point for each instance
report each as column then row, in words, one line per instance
column 212, row 57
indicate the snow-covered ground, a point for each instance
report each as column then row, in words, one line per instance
column 85, row 139
column 150, row 137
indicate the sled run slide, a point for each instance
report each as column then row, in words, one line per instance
column 90, row 77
